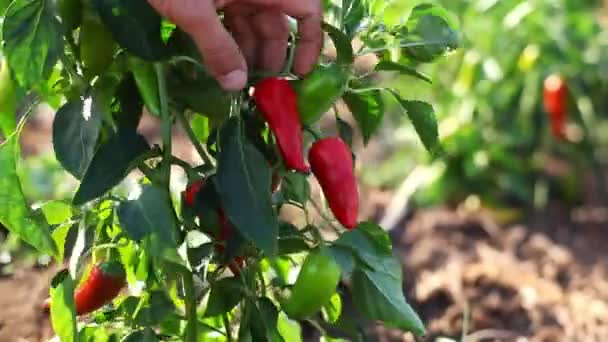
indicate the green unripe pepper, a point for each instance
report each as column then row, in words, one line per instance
column 318, row 92
column 316, row 283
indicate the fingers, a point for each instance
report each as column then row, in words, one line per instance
column 309, row 15
column 220, row 52
column 243, row 33
column 272, row 29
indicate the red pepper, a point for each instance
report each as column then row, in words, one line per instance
column 192, row 191
column 277, row 100
column 555, row 96
column 332, row 163
column 226, row 229
column 103, row 284
column 226, row 232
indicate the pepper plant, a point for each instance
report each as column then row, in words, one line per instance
column 218, row 261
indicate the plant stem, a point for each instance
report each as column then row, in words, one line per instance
column 197, row 145
column 227, row 326
column 167, row 124
column 192, row 320
column 166, row 133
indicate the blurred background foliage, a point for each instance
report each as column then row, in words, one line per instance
column 488, row 96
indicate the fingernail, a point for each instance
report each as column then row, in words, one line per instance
column 234, row 80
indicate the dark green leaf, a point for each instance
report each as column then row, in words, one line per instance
column 225, row 295
column 379, row 296
column 266, row 314
column 422, row 116
column 353, row 13
column 368, row 110
column 202, row 95
column 243, row 181
column 63, row 312
column 344, row 258
column 15, row 214
column 346, row 56
column 369, row 243
column 150, row 218
column 428, row 36
column 75, row 130
column 32, row 40
column 291, row 240
column 129, row 105
column 295, row 187
column 110, row 165
column 135, row 26
column 403, row 69
column 345, row 131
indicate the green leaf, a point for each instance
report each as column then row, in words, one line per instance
column 427, row 36
column 129, row 103
column 151, row 219
column 8, row 100
column 345, row 131
column 225, row 294
column 32, row 40
column 368, row 242
column 202, row 94
column 378, row 294
column 135, row 26
column 243, row 181
column 15, row 214
column 346, row 56
column 289, row 329
column 422, row 116
column 267, row 314
column 291, row 240
column 295, row 187
column 56, row 212
column 110, row 165
column 63, row 311
column 59, row 236
column 75, row 130
column 344, row 258
column 403, row 69
column 368, row 110
column 353, row 13
column 333, row 309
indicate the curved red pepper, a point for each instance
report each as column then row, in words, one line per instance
column 332, row 163
column 555, row 96
column 103, row 284
column 277, row 100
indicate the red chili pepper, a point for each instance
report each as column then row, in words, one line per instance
column 191, row 191
column 103, row 284
column 226, row 230
column 332, row 164
column 555, row 96
column 277, row 100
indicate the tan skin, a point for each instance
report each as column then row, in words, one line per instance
column 255, row 34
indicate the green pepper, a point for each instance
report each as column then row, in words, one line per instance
column 70, row 12
column 147, row 83
column 8, row 100
column 318, row 92
column 97, row 47
column 316, row 283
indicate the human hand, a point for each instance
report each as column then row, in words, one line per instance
column 256, row 34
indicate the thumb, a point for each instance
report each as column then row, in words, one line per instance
column 220, row 52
